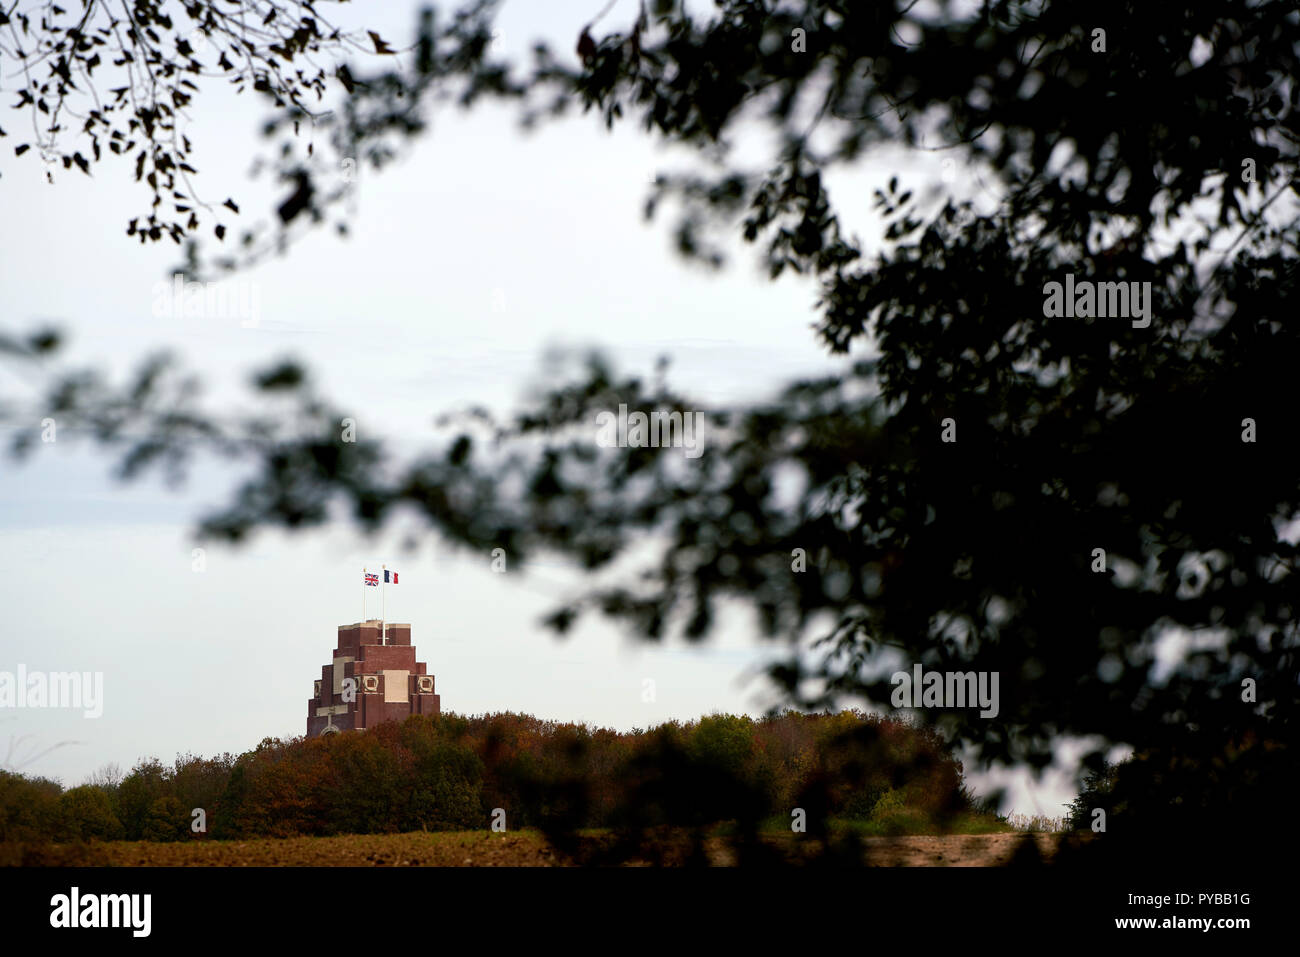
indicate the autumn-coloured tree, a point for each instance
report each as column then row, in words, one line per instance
column 994, row 488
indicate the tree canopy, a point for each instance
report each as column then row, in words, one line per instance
column 996, row 488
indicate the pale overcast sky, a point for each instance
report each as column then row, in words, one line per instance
column 468, row 259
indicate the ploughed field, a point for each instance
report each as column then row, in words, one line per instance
column 524, row 848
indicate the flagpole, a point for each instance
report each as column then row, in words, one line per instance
column 383, row 614
column 363, row 593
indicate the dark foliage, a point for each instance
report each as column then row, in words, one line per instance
column 453, row 773
column 1168, row 154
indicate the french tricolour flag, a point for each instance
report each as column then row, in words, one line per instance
column 390, row 577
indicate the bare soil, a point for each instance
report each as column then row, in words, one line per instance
column 518, row 849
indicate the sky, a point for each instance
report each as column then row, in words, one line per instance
column 471, row 257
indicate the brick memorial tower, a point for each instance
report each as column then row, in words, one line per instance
column 373, row 677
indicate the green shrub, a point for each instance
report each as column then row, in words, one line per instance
column 888, row 803
column 137, row 795
column 166, row 820
column 446, row 782
column 87, row 813
column 862, row 804
column 29, row 807
column 1096, row 792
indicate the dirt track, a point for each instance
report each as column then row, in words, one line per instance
column 484, row 849
column 960, row 850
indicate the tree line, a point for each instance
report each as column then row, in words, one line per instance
column 453, row 772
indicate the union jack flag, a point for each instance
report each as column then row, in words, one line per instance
column 372, row 579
